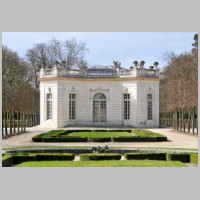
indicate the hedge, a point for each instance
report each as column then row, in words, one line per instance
column 64, row 139
column 194, row 158
column 123, row 139
column 161, row 138
column 49, row 157
column 143, row 156
column 101, row 139
column 7, row 161
column 100, row 156
column 134, row 139
column 183, row 157
column 17, row 159
column 146, row 133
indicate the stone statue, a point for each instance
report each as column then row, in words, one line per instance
column 117, row 64
column 100, row 149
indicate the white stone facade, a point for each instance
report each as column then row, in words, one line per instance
column 85, row 84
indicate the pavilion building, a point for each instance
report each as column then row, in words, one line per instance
column 99, row 96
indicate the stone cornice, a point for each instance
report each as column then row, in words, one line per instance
column 99, row 79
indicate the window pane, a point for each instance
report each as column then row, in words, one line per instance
column 149, row 107
column 126, row 106
column 49, row 106
column 72, row 106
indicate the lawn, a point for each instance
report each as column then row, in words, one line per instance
column 98, row 134
column 111, row 163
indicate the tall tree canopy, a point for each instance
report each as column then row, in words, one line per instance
column 17, row 93
column 179, row 85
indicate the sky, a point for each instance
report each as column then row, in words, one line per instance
column 104, row 47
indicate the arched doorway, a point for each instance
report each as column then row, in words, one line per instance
column 99, row 109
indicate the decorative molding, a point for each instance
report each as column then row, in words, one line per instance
column 73, row 90
column 49, row 90
column 99, row 90
column 126, row 90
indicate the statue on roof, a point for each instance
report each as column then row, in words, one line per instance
column 117, row 64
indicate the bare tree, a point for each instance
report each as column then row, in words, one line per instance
column 44, row 54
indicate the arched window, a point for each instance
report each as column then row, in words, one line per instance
column 99, row 108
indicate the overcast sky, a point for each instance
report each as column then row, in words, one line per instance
column 104, row 47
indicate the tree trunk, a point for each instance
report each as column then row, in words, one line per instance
column 14, row 127
column 174, row 121
column 5, row 123
column 10, row 121
column 24, row 122
column 182, row 119
column 188, row 120
column 18, row 125
column 177, row 122
column 193, row 119
column 21, row 122
column 2, row 123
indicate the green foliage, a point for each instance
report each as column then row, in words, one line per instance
column 100, row 156
column 194, row 158
column 104, row 163
column 124, row 139
column 144, row 156
column 64, row 139
column 183, row 157
column 99, row 134
column 100, row 139
column 23, row 158
column 7, row 160
column 146, row 133
column 49, row 157
column 78, row 136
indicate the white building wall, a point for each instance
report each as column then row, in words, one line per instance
column 144, row 88
column 85, row 90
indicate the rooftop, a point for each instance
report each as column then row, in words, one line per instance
column 100, row 71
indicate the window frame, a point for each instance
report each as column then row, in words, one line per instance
column 126, row 106
column 149, row 106
column 72, row 106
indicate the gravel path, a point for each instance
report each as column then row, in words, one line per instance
column 176, row 140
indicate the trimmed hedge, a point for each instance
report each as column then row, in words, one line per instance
column 145, row 156
column 123, row 139
column 146, row 133
column 62, row 136
column 50, row 134
column 100, row 156
column 7, row 161
column 17, row 159
column 194, row 158
column 64, row 139
column 161, row 138
column 101, row 139
column 183, row 157
column 49, row 157
column 134, row 139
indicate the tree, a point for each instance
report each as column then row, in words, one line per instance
column 46, row 54
column 179, row 88
column 19, row 97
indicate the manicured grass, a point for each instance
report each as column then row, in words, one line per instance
column 146, row 133
column 111, row 163
column 194, row 158
column 98, row 134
